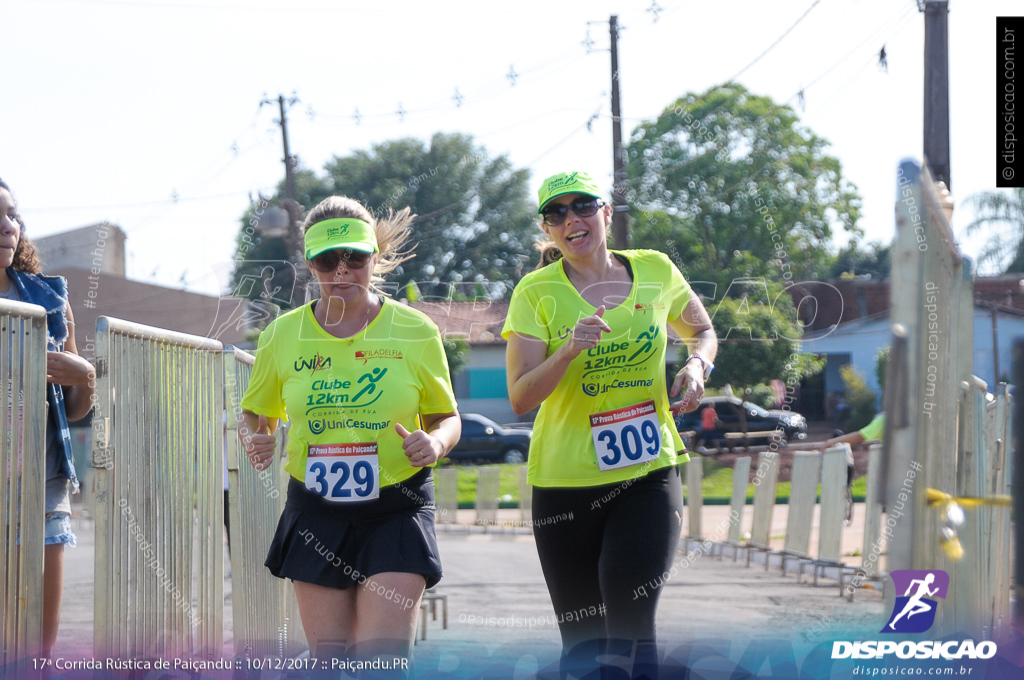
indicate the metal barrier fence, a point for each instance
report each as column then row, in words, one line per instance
column 802, row 499
column 830, row 521
column 694, row 498
column 740, row 480
column 766, row 480
column 525, row 498
column 446, row 495
column 264, row 610
column 488, row 486
column 937, row 439
column 22, row 481
column 159, row 488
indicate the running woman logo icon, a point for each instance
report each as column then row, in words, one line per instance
column 914, row 611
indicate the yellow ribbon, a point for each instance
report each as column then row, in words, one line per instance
column 936, row 497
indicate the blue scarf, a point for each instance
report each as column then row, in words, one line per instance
column 51, row 293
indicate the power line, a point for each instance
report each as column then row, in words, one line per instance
column 900, row 14
column 777, row 41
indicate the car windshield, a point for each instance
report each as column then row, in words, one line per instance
column 761, row 413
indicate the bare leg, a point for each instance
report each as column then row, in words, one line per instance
column 388, row 605
column 328, row 615
column 53, row 591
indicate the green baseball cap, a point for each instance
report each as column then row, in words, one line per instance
column 345, row 232
column 566, row 183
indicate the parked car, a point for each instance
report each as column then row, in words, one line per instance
column 485, row 440
column 792, row 425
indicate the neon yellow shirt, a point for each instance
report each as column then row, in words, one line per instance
column 875, row 429
column 351, row 390
column 627, row 367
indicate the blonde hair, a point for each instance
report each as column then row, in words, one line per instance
column 549, row 252
column 392, row 230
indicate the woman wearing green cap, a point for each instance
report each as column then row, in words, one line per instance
column 587, row 343
column 365, row 384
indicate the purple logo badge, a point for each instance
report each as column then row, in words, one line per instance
column 915, row 607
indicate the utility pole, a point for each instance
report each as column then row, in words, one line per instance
column 936, row 88
column 292, row 239
column 620, row 218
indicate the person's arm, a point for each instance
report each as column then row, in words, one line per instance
column 423, row 447
column 694, row 327
column 532, row 376
column 72, row 372
column 257, row 435
column 852, row 438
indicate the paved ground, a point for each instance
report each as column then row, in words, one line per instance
column 498, row 604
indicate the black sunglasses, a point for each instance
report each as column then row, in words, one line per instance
column 329, row 260
column 584, row 207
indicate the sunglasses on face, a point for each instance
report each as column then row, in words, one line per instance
column 329, row 260
column 583, row 207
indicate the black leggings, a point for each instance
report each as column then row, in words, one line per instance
column 611, row 556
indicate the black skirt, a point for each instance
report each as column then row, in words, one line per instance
column 340, row 545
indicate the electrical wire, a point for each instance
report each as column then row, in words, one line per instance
column 777, row 41
column 904, row 14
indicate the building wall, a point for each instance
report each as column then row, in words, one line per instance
column 1008, row 329
column 93, row 296
column 98, row 248
column 863, row 340
column 481, row 386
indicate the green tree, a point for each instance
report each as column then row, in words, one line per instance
column 1004, row 212
column 264, row 270
column 476, row 223
column 860, row 398
column 882, row 365
column 852, row 260
column 759, row 337
column 739, row 187
column 456, row 350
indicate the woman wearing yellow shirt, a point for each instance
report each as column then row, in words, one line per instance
column 365, row 384
column 587, row 343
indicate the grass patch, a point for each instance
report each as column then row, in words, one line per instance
column 469, row 474
column 717, row 485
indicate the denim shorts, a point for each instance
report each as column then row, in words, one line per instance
column 58, row 529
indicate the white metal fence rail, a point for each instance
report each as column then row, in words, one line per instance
column 159, row 489
column 22, row 481
column 937, row 439
column 264, row 610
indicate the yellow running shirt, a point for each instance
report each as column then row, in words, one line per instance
column 351, row 390
column 875, row 429
column 598, row 426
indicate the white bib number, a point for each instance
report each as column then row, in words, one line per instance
column 343, row 473
column 626, row 436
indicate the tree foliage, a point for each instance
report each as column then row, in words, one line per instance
column 859, row 397
column 456, row 350
column 758, row 337
column 1003, row 212
column 875, row 259
column 475, row 226
column 739, row 187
